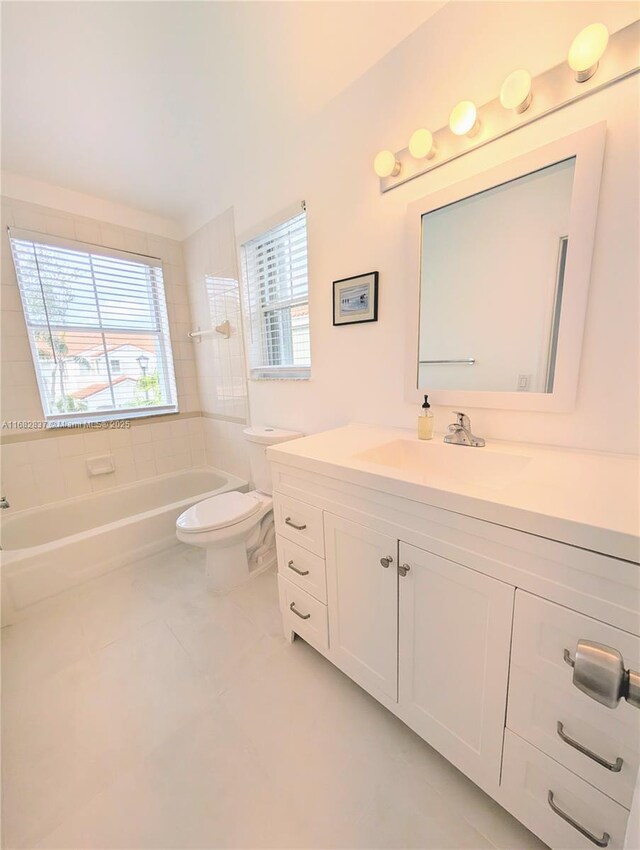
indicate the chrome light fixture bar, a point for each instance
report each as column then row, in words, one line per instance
column 550, row 91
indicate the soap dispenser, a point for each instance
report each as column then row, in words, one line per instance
column 425, row 421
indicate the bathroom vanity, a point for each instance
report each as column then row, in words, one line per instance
column 453, row 584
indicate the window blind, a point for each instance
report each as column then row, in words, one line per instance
column 98, row 328
column 274, row 268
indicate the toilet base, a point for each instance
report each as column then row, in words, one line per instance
column 227, row 567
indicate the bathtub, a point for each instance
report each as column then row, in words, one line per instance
column 52, row 548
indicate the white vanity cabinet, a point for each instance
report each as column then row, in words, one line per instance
column 362, row 594
column 416, row 630
column 462, row 627
column 454, row 636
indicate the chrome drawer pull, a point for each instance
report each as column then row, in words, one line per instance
column 293, row 525
column 568, row 659
column 599, row 842
column 388, row 559
column 292, row 607
column 614, row 767
column 296, row 570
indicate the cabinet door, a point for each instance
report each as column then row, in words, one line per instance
column 362, row 595
column 455, row 636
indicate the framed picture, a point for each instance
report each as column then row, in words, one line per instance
column 355, row 299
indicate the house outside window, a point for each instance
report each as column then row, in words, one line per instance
column 98, row 328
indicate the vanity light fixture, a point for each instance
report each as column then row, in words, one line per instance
column 463, row 120
column 421, row 144
column 521, row 99
column 386, row 165
column 586, row 50
column 516, row 91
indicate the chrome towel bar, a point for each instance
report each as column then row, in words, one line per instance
column 465, row 361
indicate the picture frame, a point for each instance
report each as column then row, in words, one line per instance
column 355, row 299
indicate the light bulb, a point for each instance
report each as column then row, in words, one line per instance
column 586, row 51
column 421, row 144
column 463, row 120
column 386, row 165
column 516, row 91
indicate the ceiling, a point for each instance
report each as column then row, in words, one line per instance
column 120, row 99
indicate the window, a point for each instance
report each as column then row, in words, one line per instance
column 98, row 328
column 274, row 267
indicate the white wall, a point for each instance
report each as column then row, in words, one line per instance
column 464, row 51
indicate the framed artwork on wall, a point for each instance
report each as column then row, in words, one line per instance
column 355, row 299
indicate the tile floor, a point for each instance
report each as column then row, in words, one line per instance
column 140, row 711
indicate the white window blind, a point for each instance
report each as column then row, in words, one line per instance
column 274, row 267
column 98, row 328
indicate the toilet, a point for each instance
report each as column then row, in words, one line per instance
column 236, row 528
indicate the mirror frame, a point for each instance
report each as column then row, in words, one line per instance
column 587, row 146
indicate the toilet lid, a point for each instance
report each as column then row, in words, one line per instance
column 218, row 512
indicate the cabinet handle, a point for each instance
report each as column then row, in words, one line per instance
column 388, row 559
column 293, row 525
column 614, row 767
column 599, row 842
column 403, row 569
column 296, row 570
column 292, row 607
column 600, row 673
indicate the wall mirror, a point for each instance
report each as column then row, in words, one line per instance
column 502, row 279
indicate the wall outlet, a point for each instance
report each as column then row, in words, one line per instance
column 101, row 465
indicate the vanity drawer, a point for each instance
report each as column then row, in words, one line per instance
column 299, row 522
column 532, row 784
column 303, row 614
column 302, row 567
column 555, row 721
column 541, row 694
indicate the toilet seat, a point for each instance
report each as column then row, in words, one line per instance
column 222, row 511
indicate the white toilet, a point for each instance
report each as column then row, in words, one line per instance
column 236, row 528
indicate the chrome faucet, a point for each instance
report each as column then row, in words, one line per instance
column 3, row 503
column 460, row 432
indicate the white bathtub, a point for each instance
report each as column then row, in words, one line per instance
column 54, row 547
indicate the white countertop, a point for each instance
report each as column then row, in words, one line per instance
column 586, row 499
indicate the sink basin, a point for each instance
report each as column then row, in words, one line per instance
column 439, row 463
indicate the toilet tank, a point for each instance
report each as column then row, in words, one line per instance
column 259, row 438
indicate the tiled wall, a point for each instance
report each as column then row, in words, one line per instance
column 40, row 471
column 37, row 471
column 214, row 294
column 226, row 447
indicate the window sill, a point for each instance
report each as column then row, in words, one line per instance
column 116, row 416
column 279, row 378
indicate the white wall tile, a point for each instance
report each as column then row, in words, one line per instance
column 211, row 267
column 119, row 438
column 141, row 434
column 146, row 469
column 96, row 443
column 76, row 477
column 143, row 452
column 71, row 446
column 99, row 483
